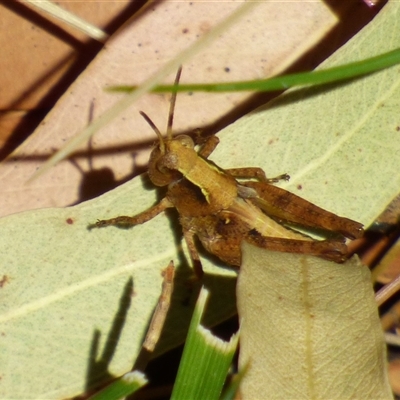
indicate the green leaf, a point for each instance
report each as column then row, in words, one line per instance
column 329, row 75
column 230, row 393
column 122, row 387
column 205, row 361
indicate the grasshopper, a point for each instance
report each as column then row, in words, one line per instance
column 221, row 210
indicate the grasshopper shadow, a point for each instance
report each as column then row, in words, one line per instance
column 97, row 371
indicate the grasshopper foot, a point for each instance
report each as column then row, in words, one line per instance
column 283, row 177
column 121, row 222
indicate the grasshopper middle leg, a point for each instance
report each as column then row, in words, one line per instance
column 256, row 173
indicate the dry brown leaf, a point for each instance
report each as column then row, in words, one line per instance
column 389, row 267
column 263, row 43
column 36, row 54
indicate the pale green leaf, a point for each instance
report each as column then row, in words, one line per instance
column 309, row 329
column 340, row 143
column 76, row 303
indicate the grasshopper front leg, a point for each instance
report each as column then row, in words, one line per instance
column 127, row 222
column 250, row 172
column 209, row 146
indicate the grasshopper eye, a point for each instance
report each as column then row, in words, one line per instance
column 185, row 141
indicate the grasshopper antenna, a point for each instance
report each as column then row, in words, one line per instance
column 170, row 116
column 172, row 105
column 155, row 129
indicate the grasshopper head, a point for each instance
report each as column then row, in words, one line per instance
column 163, row 159
column 158, row 173
column 170, row 159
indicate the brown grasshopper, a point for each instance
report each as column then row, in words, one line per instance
column 222, row 211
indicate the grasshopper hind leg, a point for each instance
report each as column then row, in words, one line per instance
column 331, row 250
